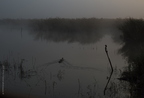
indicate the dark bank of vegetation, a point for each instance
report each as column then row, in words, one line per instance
column 55, row 24
column 65, row 25
column 133, row 51
column 60, row 24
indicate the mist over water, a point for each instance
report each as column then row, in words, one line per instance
column 34, row 49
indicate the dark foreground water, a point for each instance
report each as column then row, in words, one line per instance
column 35, row 68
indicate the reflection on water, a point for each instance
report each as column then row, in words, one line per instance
column 83, row 31
column 69, row 30
column 36, row 67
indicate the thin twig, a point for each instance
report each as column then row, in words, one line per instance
column 79, row 87
column 111, row 69
column 45, row 87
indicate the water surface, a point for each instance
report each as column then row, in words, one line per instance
column 83, row 73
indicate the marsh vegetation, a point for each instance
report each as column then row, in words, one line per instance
column 34, row 60
column 133, row 51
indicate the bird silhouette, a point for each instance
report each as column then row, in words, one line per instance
column 61, row 60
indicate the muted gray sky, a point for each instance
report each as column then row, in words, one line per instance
column 71, row 8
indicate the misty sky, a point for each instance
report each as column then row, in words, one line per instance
column 71, row 8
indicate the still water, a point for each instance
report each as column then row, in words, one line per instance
column 83, row 72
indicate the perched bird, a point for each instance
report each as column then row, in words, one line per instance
column 106, row 48
column 61, row 60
